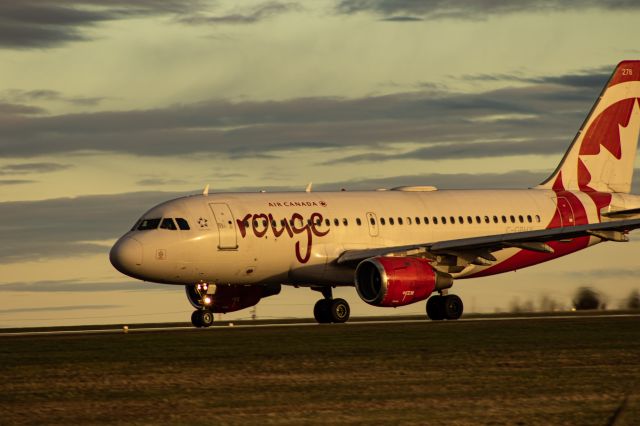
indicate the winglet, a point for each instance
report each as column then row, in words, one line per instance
column 205, row 191
column 308, row 189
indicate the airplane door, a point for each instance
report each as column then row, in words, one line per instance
column 372, row 221
column 566, row 212
column 226, row 226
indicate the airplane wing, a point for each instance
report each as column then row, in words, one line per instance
column 478, row 249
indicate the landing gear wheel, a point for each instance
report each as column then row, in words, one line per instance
column 322, row 311
column 339, row 310
column 202, row 318
column 435, row 308
column 195, row 319
column 453, row 307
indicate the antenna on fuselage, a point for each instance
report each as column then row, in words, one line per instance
column 308, row 188
column 205, row 191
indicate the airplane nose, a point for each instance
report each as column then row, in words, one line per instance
column 126, row 255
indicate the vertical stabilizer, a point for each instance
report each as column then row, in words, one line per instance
column 602, row 155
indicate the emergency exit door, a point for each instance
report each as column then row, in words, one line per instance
column 228, row 238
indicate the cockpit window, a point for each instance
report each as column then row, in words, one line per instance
column 182, row 224
column 147, row 224
column 136, row 225
column 167, row 223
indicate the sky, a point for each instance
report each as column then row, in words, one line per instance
column 107, row 108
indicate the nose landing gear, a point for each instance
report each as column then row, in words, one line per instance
column 330, row 310
column 201, row 297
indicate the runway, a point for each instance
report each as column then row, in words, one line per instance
column 561, row 368
column 227, row 325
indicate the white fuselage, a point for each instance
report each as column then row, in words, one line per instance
column 240, row 238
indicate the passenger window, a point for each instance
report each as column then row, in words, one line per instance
column 328, row 222
column 452, row 219
column 513, row 219
column 417, row 220
column 529, row 218
column 182, row 224
column 426, row 220
column 391, row 221
column 372, row 221
column 255, row 223
column 264, row 222
column 478, row 219
column 336, row 222
column 318, row 222
column 469, row 220
column 537, row 218
column 148, row 224
column 435, row 220
column 408, row 221
column 486, row 219
column 167, row 223
column 460, row 220
column 504, row 219
column 382, row 221
column 273, row 223
column 399, row 221
column 358, row 221
column 495, row 219
column 521, row 219
column 345, row 222
column 444, row 220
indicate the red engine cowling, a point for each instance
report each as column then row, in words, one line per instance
column 230, row 298
column 397, row 281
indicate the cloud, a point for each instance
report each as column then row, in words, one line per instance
column 67, row 227
column 11, row 109
column 402, row 19
column 15, row 181
column 256, row 14
column 474, row 9
column 29, row 24
column 538, row 111
column 26, row 96
column 465, row 150
column 77, row 285
column 30, row 168
column 593, row 79
column 155, row 181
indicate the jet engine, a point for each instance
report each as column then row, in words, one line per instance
column 228, row 298
column 397, row 281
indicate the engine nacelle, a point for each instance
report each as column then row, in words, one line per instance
column 397, row 281
column 228, row 298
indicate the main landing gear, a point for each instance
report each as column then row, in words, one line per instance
column 442, row 307
column 330, row 310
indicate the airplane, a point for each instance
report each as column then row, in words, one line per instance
column 398, row 246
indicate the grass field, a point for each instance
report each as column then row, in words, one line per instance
column 543, row 371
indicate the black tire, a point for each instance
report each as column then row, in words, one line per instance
column 435, row 308
column 206, row 318
column 322, row 311
column 452, row 307
column 339, row 310
column 195, row 319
